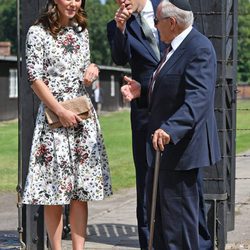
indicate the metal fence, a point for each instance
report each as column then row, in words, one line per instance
column 218, row 21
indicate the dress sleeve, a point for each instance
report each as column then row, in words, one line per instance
column 86, row 41
column 34, row 53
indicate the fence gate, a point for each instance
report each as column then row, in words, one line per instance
column 31, row 216
column 218, row 21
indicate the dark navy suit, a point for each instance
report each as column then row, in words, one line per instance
column 133, row 48
column 182, row 104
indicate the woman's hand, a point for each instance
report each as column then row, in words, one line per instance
column 91, row 74
column 68, row 118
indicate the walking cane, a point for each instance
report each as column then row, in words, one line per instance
column 154, row 194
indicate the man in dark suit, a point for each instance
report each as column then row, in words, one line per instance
column 131, row 43
column 181, row 125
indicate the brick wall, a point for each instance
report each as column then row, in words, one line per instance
column 5, row 48
column 243, row 91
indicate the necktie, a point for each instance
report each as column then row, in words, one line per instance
column 157, row 71
column 149, row 35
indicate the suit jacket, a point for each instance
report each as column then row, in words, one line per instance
column 182, row 104
column 132, row 47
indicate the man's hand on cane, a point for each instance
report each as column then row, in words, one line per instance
column 159, row 139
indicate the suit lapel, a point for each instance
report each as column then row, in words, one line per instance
column 155, row 3
column 173, row 59
column 178, row 53
column 136, row 29
column 162, row 45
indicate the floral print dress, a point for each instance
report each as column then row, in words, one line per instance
column 65, row 163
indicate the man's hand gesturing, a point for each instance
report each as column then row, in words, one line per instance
column 131, row 90
column 123, row 14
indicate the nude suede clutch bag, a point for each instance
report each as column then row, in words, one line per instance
column 79, row 105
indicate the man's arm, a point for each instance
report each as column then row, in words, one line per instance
column 117, row 35
column 200, row 75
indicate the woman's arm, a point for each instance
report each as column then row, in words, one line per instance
column 66, row 117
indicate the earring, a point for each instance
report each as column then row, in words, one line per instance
column 76, row 27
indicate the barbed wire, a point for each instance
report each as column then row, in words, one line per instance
column 242, row 203
column 245, row 13
column 233, row 129
column 245, row 203
column 245, row 109
column 240, row 14
column 228, row 109
column 222, row 179
column 245, row 155
column 237, row 156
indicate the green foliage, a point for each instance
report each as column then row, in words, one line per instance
column 8, row 31
column 244, row 41
column 100, row 14
column 98, row 17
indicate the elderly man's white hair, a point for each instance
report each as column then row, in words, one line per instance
column 184, row 18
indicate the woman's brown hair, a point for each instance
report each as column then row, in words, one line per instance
column 50, row 16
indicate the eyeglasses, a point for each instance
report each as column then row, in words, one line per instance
column 157, row 20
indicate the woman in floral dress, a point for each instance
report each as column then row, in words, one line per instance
column 68, row 165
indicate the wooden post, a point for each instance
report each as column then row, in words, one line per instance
column 32, row 216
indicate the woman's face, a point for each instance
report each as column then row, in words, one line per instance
column 67, row 9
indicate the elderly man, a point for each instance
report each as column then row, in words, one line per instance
column 134, row 39
column 181, row 125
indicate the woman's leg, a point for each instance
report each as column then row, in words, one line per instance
column 78, row 223
column 53, row 216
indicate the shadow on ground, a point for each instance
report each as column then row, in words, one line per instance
column 107, row 234
column 111, row 234
column 9, row 240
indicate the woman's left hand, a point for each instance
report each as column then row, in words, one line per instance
column 91, row 74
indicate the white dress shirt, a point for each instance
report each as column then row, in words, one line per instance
column 148, row 13
column 175, row 44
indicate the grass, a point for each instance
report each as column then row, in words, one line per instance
column 243, row 122
column 8, row 155
column 117, row 136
